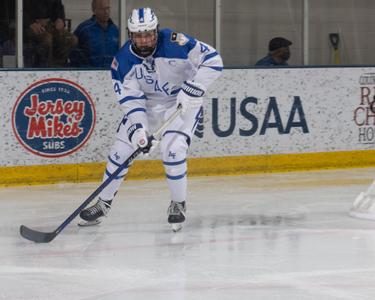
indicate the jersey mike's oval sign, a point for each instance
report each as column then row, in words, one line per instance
column 53, row 117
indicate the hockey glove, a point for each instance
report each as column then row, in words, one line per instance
column 150, row 147
column 190, row 96
column 139, row 138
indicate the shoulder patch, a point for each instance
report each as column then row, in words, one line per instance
column 174, row 36
column 179, row 38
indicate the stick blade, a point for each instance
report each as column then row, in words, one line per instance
column 37, row 236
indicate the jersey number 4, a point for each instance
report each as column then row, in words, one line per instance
column 117, row 88
column 204, row 48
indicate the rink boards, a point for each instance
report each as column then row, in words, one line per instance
column 57, row 126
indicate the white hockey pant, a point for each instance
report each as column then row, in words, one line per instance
column 119, row 153
column 173, row 146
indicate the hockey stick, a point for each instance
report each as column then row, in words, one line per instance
column 46, row 237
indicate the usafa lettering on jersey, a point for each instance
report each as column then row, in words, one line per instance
column 177, row 58
column 151, row 80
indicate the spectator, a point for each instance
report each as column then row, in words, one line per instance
column 45, row 33
column 7, row 27
column 279, row 53
column 98, row 38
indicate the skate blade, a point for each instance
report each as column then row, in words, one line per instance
column 83, row 223
column 176, row 227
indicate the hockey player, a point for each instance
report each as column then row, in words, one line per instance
column 153, row 72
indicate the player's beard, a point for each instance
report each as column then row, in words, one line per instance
column 143, row 51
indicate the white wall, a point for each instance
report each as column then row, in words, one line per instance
column 300, row 111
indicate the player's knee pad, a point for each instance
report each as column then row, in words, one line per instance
column 174, row 151
column 174, row 146
column 117, row 156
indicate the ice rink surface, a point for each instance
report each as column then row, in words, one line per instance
column 267, row 237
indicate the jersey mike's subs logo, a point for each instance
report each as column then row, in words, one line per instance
column 53, row 117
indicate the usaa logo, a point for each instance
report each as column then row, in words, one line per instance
column 53, row 118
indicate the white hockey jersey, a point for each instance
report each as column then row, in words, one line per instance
column 146, row 84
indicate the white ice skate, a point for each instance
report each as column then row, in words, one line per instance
column 176, row 215
column 93, row 215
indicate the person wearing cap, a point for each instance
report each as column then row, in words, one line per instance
column 278, row 54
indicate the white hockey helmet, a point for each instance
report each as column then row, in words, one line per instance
column 142, row 19
column 143, row 22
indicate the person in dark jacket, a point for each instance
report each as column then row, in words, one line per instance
column 278, row 54
column 45, row 33
column 98, row 38
column 7, row 26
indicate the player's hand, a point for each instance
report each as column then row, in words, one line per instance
column 139, row 138
column 152, row 144
column 190, row 96
column 37, row 28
